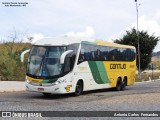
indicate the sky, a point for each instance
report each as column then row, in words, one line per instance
column 100, row 19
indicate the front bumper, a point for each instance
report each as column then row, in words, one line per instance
column 54, row 89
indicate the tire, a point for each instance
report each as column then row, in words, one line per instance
column 119, row 85
column 124, row 84
column 47, row 94
column 79, row 88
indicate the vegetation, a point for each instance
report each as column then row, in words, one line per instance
column 147, row 44
column 11, row 67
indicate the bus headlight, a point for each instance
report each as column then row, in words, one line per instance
column 27, row 80
column 58, row 82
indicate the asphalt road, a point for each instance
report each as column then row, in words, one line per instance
column 139, row 97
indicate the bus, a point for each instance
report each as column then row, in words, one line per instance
column 63, row 65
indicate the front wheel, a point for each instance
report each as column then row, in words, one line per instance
column 79, row 88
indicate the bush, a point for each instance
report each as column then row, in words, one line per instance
column 10, row 66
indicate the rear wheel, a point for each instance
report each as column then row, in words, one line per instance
column 79, row 88
column 119, row 85
column 124, row 83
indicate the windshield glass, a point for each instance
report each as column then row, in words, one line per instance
column 45, row 61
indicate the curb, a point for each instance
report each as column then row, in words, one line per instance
column 12, row 86
column 147, row 81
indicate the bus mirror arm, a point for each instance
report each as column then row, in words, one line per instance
column 23, row 53
column 62, row 58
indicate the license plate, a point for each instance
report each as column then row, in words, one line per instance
column 40, row 89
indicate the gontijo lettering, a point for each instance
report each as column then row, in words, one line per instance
column 117, row 66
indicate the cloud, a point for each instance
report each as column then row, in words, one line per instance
column 89, row 33
column 33, row 38
column 60, row 16
column 157, row 15
column 145, row 23
column 148, row 24
column 151, row 25
column 115, row 36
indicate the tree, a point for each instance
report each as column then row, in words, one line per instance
column 147, row 44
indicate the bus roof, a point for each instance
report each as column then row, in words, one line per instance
column 65, row 40
column 57, row 41
column 105, row 43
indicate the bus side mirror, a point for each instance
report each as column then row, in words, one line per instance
column 23, row 53
column 62, row 58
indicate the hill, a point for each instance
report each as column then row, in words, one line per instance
column 10, row 66
column 156, row 54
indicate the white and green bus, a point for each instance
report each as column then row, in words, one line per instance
column 72, row 65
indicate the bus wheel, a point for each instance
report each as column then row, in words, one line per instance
column 124, row 83
column 119, row 85
column 79, row 88
column 47, row 94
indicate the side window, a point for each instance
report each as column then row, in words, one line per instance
column 121, row 54
column 116, row 55
column 133, row 54
column 104, row 53
column 97, row 53
column 70, row 58
column 89, row 53
column 92, row 53
column 86, row 52
column 111, row 54
column 67, row 63
column 127, row 54
column 82, row 54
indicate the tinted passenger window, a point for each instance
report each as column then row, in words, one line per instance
column 105, row 53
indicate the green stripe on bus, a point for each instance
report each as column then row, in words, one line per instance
column 102, row 72
column 95, row 73
column 49, row 80
column 98, row 72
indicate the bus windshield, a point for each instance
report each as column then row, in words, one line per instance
column 44, row 61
